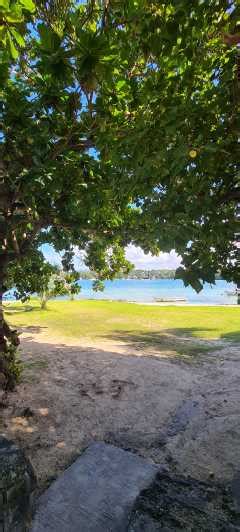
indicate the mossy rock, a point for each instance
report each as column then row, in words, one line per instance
column 176, row 504
column 17, row 482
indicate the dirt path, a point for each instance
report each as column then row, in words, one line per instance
column 186, row 416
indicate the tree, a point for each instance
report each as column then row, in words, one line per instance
column 71, row 282
column 34, row 275
column 175, row 127
column 60, row 283
column 52, row 189
column 30, row 275
column 119, row 125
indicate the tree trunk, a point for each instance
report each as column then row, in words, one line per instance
column 238, row 293
column 3, row 337
column 2, row 334
column 43, row 300
column 8, row 343
column 3, row 340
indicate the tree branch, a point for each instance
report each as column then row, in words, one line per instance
column 60, row 146
column 232, row 195
column 231, row 40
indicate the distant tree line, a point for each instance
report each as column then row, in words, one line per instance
column 134, row 274
column 150, row 274
column 137, row 274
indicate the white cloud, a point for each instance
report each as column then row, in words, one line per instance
column 147, row 261
column 134, row 254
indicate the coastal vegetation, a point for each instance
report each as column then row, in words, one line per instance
column 137, row 274
column 118, row 125
column 134, row 274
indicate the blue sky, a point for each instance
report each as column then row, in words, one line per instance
column 133, row 253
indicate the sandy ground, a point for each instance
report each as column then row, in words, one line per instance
column 183, row 415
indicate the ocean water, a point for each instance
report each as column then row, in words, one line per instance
column 145, row 290
column 149, row 291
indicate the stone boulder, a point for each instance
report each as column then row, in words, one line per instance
column 17, row 481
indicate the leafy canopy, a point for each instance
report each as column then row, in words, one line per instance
column 119, row 124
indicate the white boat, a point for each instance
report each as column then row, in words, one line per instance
column 233, row 292
column 169, row 299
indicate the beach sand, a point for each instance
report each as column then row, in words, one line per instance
column 181, row 413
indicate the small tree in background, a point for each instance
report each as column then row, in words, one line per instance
column 71, row 283
column 60, row 283
column 53, row 288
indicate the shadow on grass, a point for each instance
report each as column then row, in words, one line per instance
column 191, row 332
column 34, row 329
column 15, row 309
column 165, row 341
column 232, row 336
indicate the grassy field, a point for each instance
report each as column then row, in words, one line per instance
column 118, row 320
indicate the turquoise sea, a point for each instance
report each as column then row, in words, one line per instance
column 145, row 290
column 148, row 291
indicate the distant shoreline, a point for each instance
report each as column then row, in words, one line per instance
column 141, row 303
column 156, row 303
column 159, row 292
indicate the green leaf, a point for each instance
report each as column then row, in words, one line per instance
column 15, row 14
column 18, row 37
column 109, row 58
column 49, row 40
column 12, row 49
column 28, row 5
column 196, row 285
column 3, row 34
column 4, row 4
column 120, row 84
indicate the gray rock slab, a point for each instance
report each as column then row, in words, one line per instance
column 96, row 493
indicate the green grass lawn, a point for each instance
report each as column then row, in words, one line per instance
column 118, row 320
